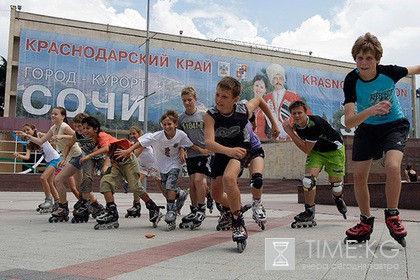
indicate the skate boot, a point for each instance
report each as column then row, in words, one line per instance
column 61, row 214
column 46, row 206
column 219, row 206
column 396, row 229
column 134, row 211
column 187, row 220
column 210, row 203
column 181, row 197
column 81, row 214
column 109, row 219
column 360, row 232
column 225, row 219
column 78, row 203
column 341, row 205
column 199, row 217
column 239, row 233
column 306, row 218
column 170, row 217
column 96, row 209
column 154, row 212
column 258, row 213
column 55, row 206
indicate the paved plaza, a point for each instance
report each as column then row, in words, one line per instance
column 32, row 248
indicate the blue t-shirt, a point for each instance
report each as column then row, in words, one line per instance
column 368, row 93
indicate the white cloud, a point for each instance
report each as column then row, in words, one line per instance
column 395, row 23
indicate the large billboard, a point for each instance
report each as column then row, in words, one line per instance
column 106, row 79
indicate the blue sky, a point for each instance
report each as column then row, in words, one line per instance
column 328, row 28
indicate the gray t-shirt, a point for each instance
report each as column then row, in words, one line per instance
column 193, row 126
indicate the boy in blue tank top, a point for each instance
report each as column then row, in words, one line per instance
column 372, row 105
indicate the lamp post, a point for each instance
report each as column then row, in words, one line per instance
column 146, row 72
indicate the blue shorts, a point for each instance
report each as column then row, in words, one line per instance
column 75, row 161
column 169, row 179
column 53, row 163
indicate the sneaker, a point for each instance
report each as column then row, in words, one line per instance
column 181, row 199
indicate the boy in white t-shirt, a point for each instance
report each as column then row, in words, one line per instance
column 167, row 144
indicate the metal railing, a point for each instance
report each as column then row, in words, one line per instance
column 10, row 165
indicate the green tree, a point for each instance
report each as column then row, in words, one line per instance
column 3, row 67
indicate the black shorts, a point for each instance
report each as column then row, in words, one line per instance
column 197, row 165
column 254, row 153
column 371, row 141
column 218, row 165
column 220, row 161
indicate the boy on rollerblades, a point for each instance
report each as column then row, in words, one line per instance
column 381, row 129
column 324, row 148
column 227, row 136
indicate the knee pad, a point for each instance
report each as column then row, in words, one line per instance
column 337, row 186
column 257, row 180
column 309, row 183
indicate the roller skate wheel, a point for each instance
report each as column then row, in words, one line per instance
column 403, row 242
column 126, row 215
column 293, row 225
column 73, row 220
column 117, row 225
column 218, row 228
column 50, row 219
column 241, row 245
column 262, row 226
column 96, row 227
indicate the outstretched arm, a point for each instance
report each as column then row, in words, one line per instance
column 26, row 156
column 102, row 150
column 352, row 119
column 413, row 70
column 36, row 140
column 260, row 102
column 303, row 145
column 125, row 153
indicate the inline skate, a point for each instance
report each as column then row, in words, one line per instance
column 258, row 213
column 96, row 209
column 395, row 227
column 306, row 218
column 109, row 219
column 239, row 233
column 170, row 217
column 360, row 232
column 181, row 197
column 341, row 205
column 134, row 211
column 225, row 220
column 46, row 206
column 154, row 212
column 61, row 214
column 82, row 212
column 210, row 203
column 187, row 220
column 199, row 217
